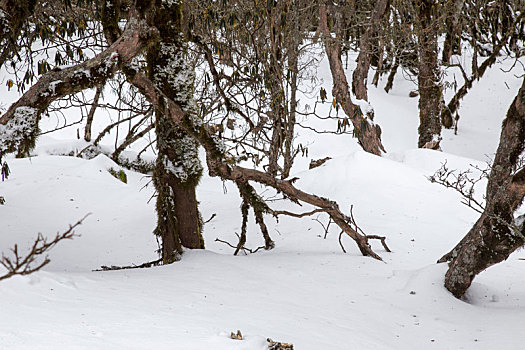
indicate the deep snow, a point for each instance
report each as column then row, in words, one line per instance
column 306, row 291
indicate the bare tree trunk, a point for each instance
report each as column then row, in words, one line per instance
column 392, row 74
column 368, row 133
column 360, row 75
column 289, row 127
column 430, row 90
column 497, row 233
column 276, row 81
column 91, row 114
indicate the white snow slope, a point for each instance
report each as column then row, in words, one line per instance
column 306, row 291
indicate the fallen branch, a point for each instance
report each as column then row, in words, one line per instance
column 382, row 239
column 129, row 267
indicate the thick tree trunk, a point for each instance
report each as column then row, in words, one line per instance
column 430, row 90
column 178, row 168
column 368, row 133
column 360, row 75
column 497, row 233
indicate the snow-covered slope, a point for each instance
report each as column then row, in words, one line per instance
column 306, row 291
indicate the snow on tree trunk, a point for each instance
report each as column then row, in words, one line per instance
column 178, row 168
column 497, row 233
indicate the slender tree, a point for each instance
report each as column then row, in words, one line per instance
column 429, row 77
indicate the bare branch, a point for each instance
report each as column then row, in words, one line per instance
column 18, row 264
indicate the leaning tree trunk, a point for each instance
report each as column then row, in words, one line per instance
column 497, row 233
column 368, row 133
column 178, row 169
column 430, row 90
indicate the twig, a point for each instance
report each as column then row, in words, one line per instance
column 210, row 219
column 300, row 215
column 341, row 242
column 382, row 239
column 244, row 249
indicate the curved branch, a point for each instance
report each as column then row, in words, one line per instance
column 23, row 115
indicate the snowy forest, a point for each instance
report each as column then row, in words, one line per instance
column 262, row 174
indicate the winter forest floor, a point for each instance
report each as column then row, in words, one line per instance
column 306, row 291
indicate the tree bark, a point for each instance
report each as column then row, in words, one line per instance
column 178, row 169
column 360, row 75
column 497, row 233
column 430, row 90
column 368, row 133
column 91, row 114
column 452, row 44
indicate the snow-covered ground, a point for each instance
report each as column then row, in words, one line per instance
column 306, row 291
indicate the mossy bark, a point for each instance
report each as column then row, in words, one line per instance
column 178, row 168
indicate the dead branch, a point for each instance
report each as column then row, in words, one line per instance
column 460, row 182
column 288, row 213
column 244, row 249
column 242, row 238
column 91, row 114
column 382, row 239
column 210, row 219
column 341, row 242
column 325, row 228
column 129, row 267
column 19, row 264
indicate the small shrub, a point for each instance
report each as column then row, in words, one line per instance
column 120, row 174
